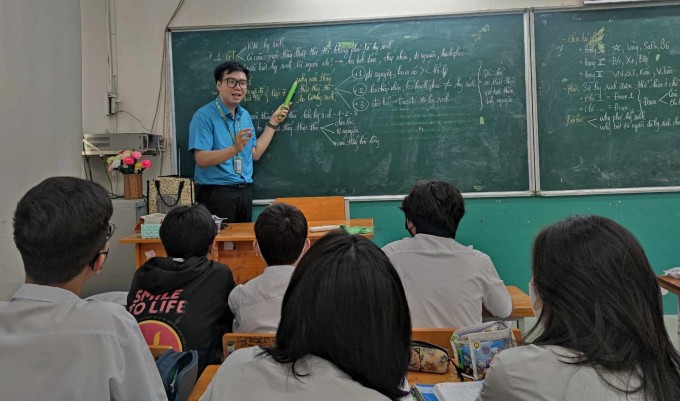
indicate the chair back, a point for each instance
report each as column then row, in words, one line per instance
column 158, row 350
column 319, row 208
column 234, row 341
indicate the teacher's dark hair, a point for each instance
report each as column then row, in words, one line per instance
column 59, row 225
column 435, row 208
column 188, row 231
column 230, row 66
column 601, row 298
column 346, row 304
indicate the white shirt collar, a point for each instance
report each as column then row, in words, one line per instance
column 44, row 293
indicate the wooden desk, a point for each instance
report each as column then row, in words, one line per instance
column 432, row 378
column 521, row 308
column 672, row 285
column 203, row 382
column 234, row 246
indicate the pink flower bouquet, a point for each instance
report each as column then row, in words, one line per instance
column 128, row 162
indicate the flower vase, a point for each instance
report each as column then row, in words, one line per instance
column 132, row 186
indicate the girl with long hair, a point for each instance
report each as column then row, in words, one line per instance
column 344, row 332
column 600, row 333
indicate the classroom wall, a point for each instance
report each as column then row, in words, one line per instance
column 139, row 27
column 40, row 108
column 501, row 227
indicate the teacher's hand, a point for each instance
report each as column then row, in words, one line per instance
column 242, row 138
column 280, row 114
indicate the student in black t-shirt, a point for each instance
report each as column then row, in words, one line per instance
column 181, row 300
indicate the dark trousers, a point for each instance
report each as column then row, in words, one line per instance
column 234, row 202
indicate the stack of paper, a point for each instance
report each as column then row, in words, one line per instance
column 467, row 391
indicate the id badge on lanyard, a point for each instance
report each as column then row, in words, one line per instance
column 238, row 164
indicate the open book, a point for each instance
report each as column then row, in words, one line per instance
column 467, row 391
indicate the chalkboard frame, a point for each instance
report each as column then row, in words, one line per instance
column 530, row 134
column 531, row 13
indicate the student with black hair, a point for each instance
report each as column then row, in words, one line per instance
column 184, row 295
column 53, row 344
column 600, row 333
column 222, row 139
column 446, row 283
column 281, row 240
column 344, row 332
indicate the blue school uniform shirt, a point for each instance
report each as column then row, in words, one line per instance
column 208, row 131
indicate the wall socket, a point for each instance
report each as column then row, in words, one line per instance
column 111, row 103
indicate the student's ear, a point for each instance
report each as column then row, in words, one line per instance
column 98, row 264
column 256, row 248
column 410, row 227
column 212, row 249
column 305, row 248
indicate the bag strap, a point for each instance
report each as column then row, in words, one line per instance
column 459, row 371
column 429, row 345
column 179, row 193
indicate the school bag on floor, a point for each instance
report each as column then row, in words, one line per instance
column 179, row 371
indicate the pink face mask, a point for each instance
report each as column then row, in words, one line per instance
column 536, row 302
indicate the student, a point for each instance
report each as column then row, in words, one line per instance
column 446, row 283
column 344, row 332
column 222, row 139
column 280, row 239
column 53, row 344
column 601, row 334
column 185, row 294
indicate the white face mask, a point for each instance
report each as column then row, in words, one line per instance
column 536, row 302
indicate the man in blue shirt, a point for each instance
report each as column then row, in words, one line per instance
column 221, row 137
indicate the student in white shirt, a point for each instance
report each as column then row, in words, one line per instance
column 280, row 239
column 53, row 344
column 600, row 330
column 344, row 332
column 446, row 283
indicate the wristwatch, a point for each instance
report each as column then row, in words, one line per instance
column 270, row 125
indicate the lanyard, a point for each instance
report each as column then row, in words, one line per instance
column 226, row 122
column 237, row 158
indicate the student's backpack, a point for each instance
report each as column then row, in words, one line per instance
column 178, row 372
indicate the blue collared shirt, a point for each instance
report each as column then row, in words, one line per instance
column 208, row 131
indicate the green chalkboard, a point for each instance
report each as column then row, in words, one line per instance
column 379, row 104
column 608, row 98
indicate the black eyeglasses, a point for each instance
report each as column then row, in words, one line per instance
column 231, row 82
column 109, row 234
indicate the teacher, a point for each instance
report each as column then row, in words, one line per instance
column 222, row 139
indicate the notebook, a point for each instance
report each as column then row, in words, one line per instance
column 467, row 391
column 423, row 392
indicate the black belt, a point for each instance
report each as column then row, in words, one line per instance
column 234, row 186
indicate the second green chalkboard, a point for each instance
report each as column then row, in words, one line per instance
column 608, row 84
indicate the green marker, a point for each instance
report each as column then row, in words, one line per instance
column 291, row 92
